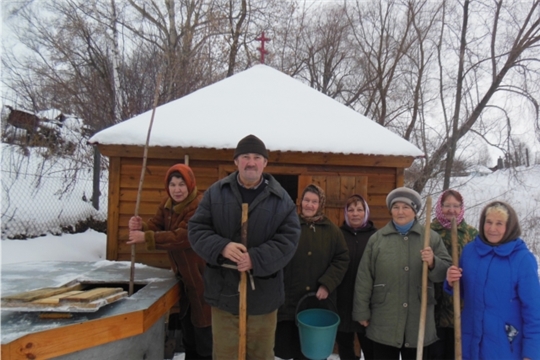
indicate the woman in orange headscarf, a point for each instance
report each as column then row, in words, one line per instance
column 167, row 230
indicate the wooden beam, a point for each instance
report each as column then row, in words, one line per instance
column 275, row 157
column 113, row 208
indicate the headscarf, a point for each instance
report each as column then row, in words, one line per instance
column 353, row 199
column 185, row 172
column 513, row 230
column 319, row 215
column 447, row 224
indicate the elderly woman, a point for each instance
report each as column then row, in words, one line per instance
column 499, row 283
column 319, row 264
column 357, row 229
column 449, row 206
column 389, row 281
column 167, row 230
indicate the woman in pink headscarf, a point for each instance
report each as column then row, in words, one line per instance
column 450, row 205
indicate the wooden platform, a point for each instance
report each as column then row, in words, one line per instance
column 26, row 335
column 70, row 298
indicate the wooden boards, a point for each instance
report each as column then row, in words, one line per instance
column 72, row 298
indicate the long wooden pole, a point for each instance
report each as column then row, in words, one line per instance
column 457, row 299
column 242, row 320
column 423, row 304
column 141, row 180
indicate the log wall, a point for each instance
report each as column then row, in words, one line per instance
column 340, row 176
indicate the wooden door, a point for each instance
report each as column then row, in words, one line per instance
column 337, row 188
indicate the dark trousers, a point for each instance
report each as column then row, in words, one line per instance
column 345, row 341
column 287, row 342
column 442, row 349
column 197, row 341
column 387, row 352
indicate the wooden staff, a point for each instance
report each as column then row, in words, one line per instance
column 457, row 300
column 242, row 320
column 141, row 180
column 423, row 304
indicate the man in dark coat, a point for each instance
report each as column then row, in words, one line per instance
column 273, row 233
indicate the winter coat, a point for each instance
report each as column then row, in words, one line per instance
column 272, row 235
column 320, row 259
column 356, row 243
column 388, row 287
column 501, row 291
column 167, row 230
column 444, row 307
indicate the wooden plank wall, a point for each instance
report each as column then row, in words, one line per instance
column 370, row 182
column 374, row 183
column 129, row 172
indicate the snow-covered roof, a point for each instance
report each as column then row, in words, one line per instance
column 285, row 113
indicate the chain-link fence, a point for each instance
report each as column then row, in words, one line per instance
column 42, row 194
column 47, row 175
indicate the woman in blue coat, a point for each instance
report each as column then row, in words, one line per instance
column 501, row 290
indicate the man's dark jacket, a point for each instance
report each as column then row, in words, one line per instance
column 273, row 233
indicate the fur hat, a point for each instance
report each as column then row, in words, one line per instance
column 250, row 144
column 186, row 173
column 405, row 195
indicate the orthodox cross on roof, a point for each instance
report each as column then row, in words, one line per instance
column 261, row 49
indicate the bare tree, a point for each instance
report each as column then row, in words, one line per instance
column 65, row 63
column 383, row 34
column 180, row 30
column 326, row 57
column 236, row 22
column 512, row 36
column 116, row 60
column 440, row 74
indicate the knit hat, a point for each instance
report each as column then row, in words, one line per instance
column 405, row 195
column 187, row 175
column 250, row 144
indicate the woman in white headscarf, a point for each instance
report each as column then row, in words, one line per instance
column 357, row 229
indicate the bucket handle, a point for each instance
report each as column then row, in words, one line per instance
column 312, row 293
column 309, row 294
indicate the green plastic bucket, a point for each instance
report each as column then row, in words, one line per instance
column 318, row 328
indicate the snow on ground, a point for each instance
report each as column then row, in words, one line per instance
column 87, row 246
column 518, row 187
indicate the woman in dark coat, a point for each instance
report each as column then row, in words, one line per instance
column 319, row 264
column 167, row 230
column 357, row 229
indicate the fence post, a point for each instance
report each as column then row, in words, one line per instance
column 97, row 168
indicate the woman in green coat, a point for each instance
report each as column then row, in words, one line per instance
column 318, row 266
column 388, row 285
